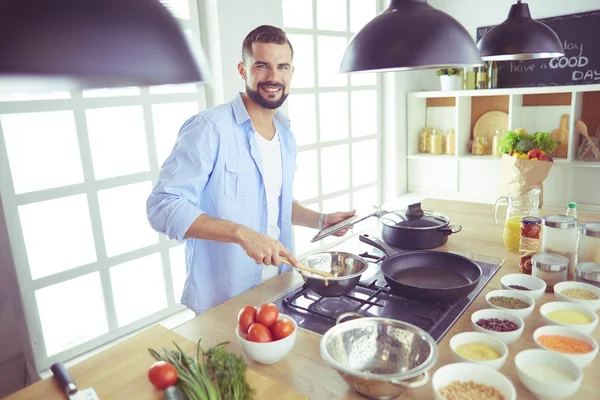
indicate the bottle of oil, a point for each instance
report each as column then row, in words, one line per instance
column 492, row 75
column 482, row 77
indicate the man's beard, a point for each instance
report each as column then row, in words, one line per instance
column 265, row 103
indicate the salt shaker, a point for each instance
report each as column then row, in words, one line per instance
column 559, row 236
column 589, row 243
column 551, row 268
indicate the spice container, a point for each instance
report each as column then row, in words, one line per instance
column 480, row 146
column 559, row 236
column 530, row 244
column 450, row 145
column 424, row 139
column 588, row 272
column 589, row 243
column 436, row 143
column 551, row 268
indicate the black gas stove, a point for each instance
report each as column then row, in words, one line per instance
column 372, row 298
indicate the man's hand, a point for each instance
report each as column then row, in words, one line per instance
column 263, row 249
column 336, row 217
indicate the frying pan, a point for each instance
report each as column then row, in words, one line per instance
column 427, row 275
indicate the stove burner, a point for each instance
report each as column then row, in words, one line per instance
column 334, row 306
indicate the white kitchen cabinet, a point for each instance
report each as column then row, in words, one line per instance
column 475, row 178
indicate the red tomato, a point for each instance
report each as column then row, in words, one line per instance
column 246, row 317
column 267, row 314
column 259, row 333
column 162, row 374
column 282, row 328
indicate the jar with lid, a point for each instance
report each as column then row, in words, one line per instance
column 436, row 145
column 450, row 145
column 589, row 243
column 531, row 229
column 559, row 236
column 588, row 272
column 424, row 138
column 551, row 268
column 480, row 146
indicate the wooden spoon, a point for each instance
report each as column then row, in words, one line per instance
column 582, row 127
column 324, row 274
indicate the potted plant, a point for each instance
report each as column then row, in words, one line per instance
column 449, row 79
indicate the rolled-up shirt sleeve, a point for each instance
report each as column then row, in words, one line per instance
column 174, row 203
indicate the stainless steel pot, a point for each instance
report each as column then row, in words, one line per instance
column 346, row 268
column 379, row 358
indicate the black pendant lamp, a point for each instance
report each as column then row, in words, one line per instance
column 520, row 37
column 410, row 35
column 81, row 44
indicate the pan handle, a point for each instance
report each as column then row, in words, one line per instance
column 451, row 229
column 373, row 241
column 347, row 315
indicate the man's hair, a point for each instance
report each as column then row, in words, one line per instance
column 264, row 34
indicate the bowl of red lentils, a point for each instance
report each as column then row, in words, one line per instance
column 576, row 346
column 471, row 381
column 512, row 301
column 500, row 324
column 579, row 293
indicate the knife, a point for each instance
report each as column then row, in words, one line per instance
column 64, row 380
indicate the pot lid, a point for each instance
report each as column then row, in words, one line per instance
column 415, row 218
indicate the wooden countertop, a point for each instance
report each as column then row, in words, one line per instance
column 303, row 369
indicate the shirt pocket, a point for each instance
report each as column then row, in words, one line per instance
column 238, row 179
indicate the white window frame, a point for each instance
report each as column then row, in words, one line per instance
column 90, row 187
column 348, row 88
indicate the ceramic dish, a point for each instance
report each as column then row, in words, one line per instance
column 521, row 312
column 565, row 306
column 581, row 360
column 477, row 337
column 593, row 305
column 489, row 313
column 536, row 286
column 464, row 372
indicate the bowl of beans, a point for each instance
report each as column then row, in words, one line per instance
column 502, row 325
column 576, row 346
column 513, row 301
column 471, row 381
column 532, row 286
column 579, row 293
column 570, row 315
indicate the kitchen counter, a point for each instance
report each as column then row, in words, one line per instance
column 303, row 370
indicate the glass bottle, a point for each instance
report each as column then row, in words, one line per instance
column 482, row 77
column 559, row 236
column 495, row 140
column 469, row 76
column 572, row 209
column 492, row 81
column 521, row 204
column 530, row 243
column 450, row 145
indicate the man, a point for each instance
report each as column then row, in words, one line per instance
column 226, row 188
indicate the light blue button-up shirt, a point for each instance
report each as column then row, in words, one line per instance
column 215, row 168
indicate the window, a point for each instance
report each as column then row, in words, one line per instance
column 75, row 171
column 334, row 116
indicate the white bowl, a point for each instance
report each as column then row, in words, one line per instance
column 522, row 312
column 505, row 337
column 548, row 389
column 581, row 360
column 536, row 285
column 563, row 305
column 464, row 372
column 268, row 352
column 593, row 305
column 477, row 337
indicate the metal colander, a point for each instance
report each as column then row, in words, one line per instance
column 379, row 357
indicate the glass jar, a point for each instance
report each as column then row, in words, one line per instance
column 436, row 143
column 588, row 272
column 559, row 236
column 482, row 77
column 497, row 135
column 424, row 139
column 480, row 146
column 589, row 243
column 531, row 229
column 450, row 145
column 469, row 75
column 551, row 268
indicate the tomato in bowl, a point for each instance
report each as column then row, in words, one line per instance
column 266, row 344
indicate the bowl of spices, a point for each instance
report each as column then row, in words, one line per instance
column 479, row 348
column 466, row 381
column 576, row 346
column 512, row 301
column 571, row 315
column 532, row 286
column 579, row 293
column 502, row 325
column 548, row 375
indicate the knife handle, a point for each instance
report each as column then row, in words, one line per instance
column 64, row 379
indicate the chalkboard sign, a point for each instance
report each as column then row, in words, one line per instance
column 580, row 37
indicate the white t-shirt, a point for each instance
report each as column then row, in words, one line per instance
column 270, row 153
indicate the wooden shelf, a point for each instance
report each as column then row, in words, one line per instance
column 508, row 91
column 430, row 156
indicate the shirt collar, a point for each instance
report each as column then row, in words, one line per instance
column 241, row 114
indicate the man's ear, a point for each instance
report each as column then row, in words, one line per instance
column 242, row 70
